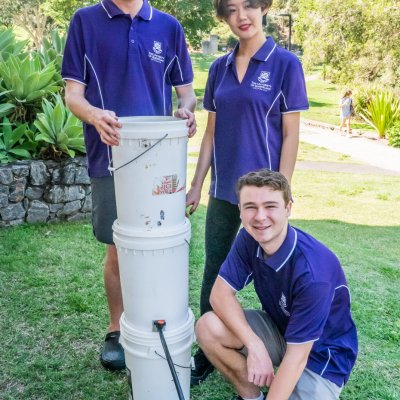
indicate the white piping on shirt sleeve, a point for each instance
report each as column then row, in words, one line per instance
column 343, row 286
column 307, row 341
column 74, row 80
column 220, row 277
column 293, row 111
column 186, row 84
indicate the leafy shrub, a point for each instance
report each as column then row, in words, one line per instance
column 14, row 144
column 362, row 97
column 381, row 111
column 9, row 45
column 24, row 83
column 393, row 134
column 52, row 51
column 59, row 129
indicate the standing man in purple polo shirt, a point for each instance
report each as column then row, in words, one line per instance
column 122, row 58
column 305, row 326
column 254, row 96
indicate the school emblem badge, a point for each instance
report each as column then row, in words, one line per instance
column 283, row 305
column 157, row 47
column 264, row 77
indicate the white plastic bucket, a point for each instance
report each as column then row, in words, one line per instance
column 154, row 274
column 147, row 368
column 150, row 191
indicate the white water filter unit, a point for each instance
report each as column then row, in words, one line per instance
column 152, row 239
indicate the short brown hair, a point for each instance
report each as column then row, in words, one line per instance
column 265, row 177
column 222, row 10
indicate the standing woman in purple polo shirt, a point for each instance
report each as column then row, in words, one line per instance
column 122, row 58
column 254, row 96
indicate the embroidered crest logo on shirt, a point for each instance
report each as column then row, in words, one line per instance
column 168, row 184
column 283, row 305
column 157, row 47
column 263, row 78
column 157, row 50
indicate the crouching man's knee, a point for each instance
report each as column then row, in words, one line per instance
column 210, row 330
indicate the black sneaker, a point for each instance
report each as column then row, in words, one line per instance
column 202, row 368
column 112, row 355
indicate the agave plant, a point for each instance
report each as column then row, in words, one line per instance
column 23, row 83
column 59, row 129
column 381, row 111
column 13, row 142
column 9, row 45
column 52, row 50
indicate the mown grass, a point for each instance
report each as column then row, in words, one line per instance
column 53, row 311
column 323, row 97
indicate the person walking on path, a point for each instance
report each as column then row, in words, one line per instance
column 122, row 58
column 305, row 326
column 346, row 111
column 254, row 96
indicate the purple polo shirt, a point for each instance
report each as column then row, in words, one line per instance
column 127, row 65
column 303, row 288
column 248, row 131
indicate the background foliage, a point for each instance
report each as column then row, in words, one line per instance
column 356, row 40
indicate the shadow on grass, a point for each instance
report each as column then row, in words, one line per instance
column 318, row 104
column 53, row 308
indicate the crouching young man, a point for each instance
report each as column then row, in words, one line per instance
column 305, row 326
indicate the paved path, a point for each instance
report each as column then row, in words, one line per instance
column 379, row 158
column 363, row 169
column 367, row 150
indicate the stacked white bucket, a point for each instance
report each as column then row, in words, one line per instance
column 152, row 238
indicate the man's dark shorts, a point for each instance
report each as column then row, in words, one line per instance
column 104, row 210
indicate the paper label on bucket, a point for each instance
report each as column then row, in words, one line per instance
column 168, row 184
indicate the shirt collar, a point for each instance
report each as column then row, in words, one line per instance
column 112, row 10
column 280, row 258
column 262, row 54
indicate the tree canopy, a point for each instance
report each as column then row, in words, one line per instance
column 197, row 18
column 358, row 40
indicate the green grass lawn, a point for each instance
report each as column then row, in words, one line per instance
column 323, row 95
column 53, row 311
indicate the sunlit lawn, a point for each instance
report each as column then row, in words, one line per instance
column 53, row 311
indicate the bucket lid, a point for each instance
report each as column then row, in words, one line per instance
column 129, row 332
column 160, row 238
column 153, row 127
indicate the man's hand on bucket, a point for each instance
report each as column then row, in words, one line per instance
column 184, row 113
column 107, row 125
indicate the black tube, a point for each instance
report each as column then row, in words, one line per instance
column 160, row 325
